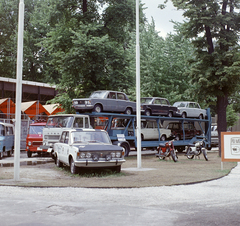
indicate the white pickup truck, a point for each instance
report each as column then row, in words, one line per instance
column 58, row 123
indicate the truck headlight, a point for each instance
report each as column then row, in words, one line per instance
column 29, row 143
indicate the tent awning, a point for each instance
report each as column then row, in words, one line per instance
column 33, row 108
column 53, row 108
column 7, row 106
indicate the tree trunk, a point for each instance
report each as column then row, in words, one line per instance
column 222, row 102
column 84, row 6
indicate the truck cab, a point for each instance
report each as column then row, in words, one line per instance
column 58, row 123
column 35, row 137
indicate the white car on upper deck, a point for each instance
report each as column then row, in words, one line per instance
column 87, row 148
column 188, row 109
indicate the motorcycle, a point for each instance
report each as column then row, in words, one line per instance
column 196, row 149
column 166, row 150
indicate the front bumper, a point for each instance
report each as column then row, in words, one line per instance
column 99, row 163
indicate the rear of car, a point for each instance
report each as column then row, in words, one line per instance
column 6, row 139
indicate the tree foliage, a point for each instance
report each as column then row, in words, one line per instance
column 213, row 27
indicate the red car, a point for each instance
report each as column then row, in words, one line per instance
column 34, row 137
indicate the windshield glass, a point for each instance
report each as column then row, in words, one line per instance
column 98, row 94
column 90, row 136
column 59, row 121
column 179, row 104
column 36, row 129
column 2, row 131
column 146, row 100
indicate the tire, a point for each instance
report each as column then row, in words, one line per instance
column 184, row 115
column 190, row 156
column 9, row 153
column 201, row 116
column 178, row 137
column 170, row 114
column 148, row 112
column 1, row 155
column 97, row 108
column 116, row 169
column 204, row 151
column 163, row 138
column 29, row 154
column 73, row 168
column 58, row 163
column 126, row 148
column 174, row 155
column 128, row 111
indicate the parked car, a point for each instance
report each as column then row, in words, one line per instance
column 177, row 130
column 214, row 136
column 108, row 101
column 189, row 109
column 88, row 148
column 6, row 139
column 158, row 106
column 35, row 138
column 149, row 131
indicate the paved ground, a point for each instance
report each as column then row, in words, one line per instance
column 209, row 203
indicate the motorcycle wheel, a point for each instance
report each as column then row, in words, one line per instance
column 205, row 154
column 190, row 156
column 174, row 156
column 162, row 158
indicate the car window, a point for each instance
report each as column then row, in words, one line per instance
column 111, row 95
column 63, row 136
column 191, row 105
column 78, row 123
column 98, row 94
column 164, row 102
column 2, row 130
column 146, row 100
column 197, row 105
column 157, row 101
column 121, row 96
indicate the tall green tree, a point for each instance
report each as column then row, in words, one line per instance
column 213, row 27
column 87, row 48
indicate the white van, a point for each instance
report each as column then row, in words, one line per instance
column 6, row 139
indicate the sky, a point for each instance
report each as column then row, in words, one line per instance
column 162, row 17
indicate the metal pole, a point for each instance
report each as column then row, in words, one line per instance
column 139, row 148
column 18, row 91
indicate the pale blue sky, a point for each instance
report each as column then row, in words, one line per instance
column 162, row 17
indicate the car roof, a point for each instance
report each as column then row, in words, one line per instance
column 84, row 130
column 51, row 116
column 6, row 124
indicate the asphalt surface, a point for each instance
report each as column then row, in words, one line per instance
column 209, row 203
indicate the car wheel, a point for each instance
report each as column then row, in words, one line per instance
column 184, row 115
column 97, row 108
column 116, row 169
column 73, row 168
column 126, row 148
column 148, row 113
column 58, row 163
column 178, row 137
column 163, row 138
column 128, row 111
column 201, row 116
column 170, row 114
column 29, row 154
column 1, row 155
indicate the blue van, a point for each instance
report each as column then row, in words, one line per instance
column 6, row 139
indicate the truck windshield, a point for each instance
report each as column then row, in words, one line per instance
column 36, row 129
column 2, row 131
column 59, row 121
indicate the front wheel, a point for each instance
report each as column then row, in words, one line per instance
column 190, row 156
column 29, row 154
column 97, row 108
column 128, row 111
column 58, row 163
column 126, row 148
column 73, row 168
column 174, row 155
column 148, row 113
column 205, row 154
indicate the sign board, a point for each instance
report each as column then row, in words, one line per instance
column 121, row 137
column 230, row 145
